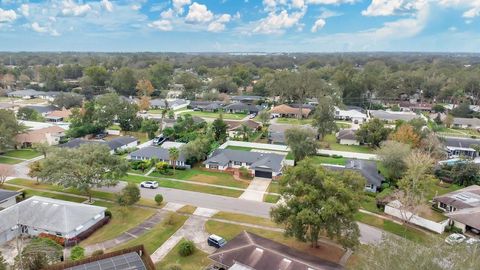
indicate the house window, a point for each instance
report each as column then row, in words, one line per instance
column 239, row 163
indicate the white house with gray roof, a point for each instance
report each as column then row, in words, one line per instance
column 390, row 116
column 37, row 215
column 7, row 198
column 162, row 154
column 266, row 165
column 471, row 123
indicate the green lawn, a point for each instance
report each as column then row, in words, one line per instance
column 32, row 192
column 294, row 121
column 23, row 153
column 141, row 136
column 184, row 186
column 369, row 203
column 198, row 260
column 154, row 238
column 392, row 227
column 440, row 189
column 187, row 209
column 329, row 160
column 342, row 125
column 11, row 161
column 229, row 116
column 333, row 145
column 203, row 176
column 274, row 187
column 229, row 231
column 245, row 219
column 123, row 219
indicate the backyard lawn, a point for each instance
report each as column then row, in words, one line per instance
column 123, row 219
column 198, row 260
column 329, row 160
column 6, row 160
column 333, row 145
column 203, row 176
column 154, row 238
column 23, row 153
column 229, row 116
column 441, row 188
column 229, row 231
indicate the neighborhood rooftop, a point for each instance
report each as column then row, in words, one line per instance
column 223, row 157
column 463, row 198
column 6, row 194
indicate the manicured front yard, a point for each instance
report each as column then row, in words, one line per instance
column 23, row 153
column 154, row 238
column 332, row 144
column 294, row 121
column 203, row 176
column 229, row 231
column 274, row 187
column 123, row 219
column 245, row 219
column 187, row 209
column 184, row 186
column 198, row 260
column 329, row 160
column 230, row 116
column 11, row 161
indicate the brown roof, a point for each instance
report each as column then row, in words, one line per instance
column 232, row 125
column 64, row 113
column 38, row 135
column 463, row 198
column 285, row 109
column 263, row 254
column 468, row 216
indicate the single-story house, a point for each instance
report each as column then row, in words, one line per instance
column 207, row 106
column 248, row 251
column 266, row 165
column 234, row 127
column 125, row 259
column 25, row 94
column 8, row 198
column 347, row 137
column 460, row 147
column 462, row 207
column 276, row 132
column 174, row 104
column 242, row 108
column 43, row 110
column 37, row 215
column 58, row 115
column 288, row 111
column 49, row 135
column 415, row 106
column 356, row 116
column 391, row 116
column 471, row 123
column 368, row 169
column 246, row 99
column 168, row 145
column 162, row 154
column 116, row 144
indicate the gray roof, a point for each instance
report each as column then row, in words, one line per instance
column 260, row 253
column 42, row 109
column 48, row 214
column 474, row 122
column 206, row 104
column 112, row 144
column 26, row 92
column 346, row 134
column 256, row 160
column 468, row 197
column 161, row 102
column 7, row 194
column 244, row 107
column 276, row 132
column 128, row 261
column 368, row 169
column 246, row 98
column 121, row 141
column 150, row 152
column 459, row 142
column 393, row 116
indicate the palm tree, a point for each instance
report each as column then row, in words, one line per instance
column 173, row 154
column 164, row 112
column 245, row 130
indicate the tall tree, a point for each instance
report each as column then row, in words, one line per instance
column 373, row 133
column 67, row 100
column 124, row 82
column 161, row 74
column 9, row 128
column 26, row 113
column 392, row 155
column 319, row 202
column 173, row 154
column 264, row 117
column 84, row 168
column 324, row 118
column 144, row 88
column 219, row 128
column 407, row 135
column 302, row 142
column 129, row 195
column 149, row 126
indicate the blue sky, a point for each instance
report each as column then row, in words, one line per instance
column 240, row 25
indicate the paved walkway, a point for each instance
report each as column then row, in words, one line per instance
column 256, row 190
column 348, row 154
column 193, row 229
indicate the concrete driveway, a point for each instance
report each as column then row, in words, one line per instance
column 257, row 188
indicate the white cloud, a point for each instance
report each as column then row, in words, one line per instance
column 107, row 5
column 298, row 3
column 43, row 29
column 7, row 16
column 179, row 4
column 198, row 13
column 392, row 7
column 167, row 14
column 472, row 6
column 276, row 23
column 319, row 24
column 219, row 24
column 135, row 7
column 162, row 25
column 70, row 8
column 24, row 10
column 330, row 2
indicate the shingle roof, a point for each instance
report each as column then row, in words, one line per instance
column 242, row 106
column 260, row 253
column 285, row 109
column 393, row 116
column 468, row 216
column 346, row 134
column 121, row 141
column 463, row 198
column 48, row 214
column 6, row 194
column 257, row 160
column 26, row 92
column 42, row 109
column 240, row 98
column 38, row 135
column 368, row 169
column 155, row 152
column 233, row 125
column 459, row 142
column 112, row 144
column 474, row 122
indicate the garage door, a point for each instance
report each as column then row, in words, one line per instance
column 263, row 174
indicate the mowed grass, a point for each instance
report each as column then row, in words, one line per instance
column 329, row 160
column 154, row 238
column 231, row 116
column 245, row 219
column 23, row 153
column 294, row 121
column 274, row 187
column 198, row 260
column 204, row 176
column 333, row 145
column 123, row 219
column 229, row 231
column 187, row 209
column 63, row 197
column 10, row 161
column 184, row 186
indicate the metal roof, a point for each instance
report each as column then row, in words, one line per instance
column 128, row 261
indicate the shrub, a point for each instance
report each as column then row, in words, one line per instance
column 98, row 252
column 57, row 239
column 108, row 213
column 171, row 219
column 384, row 186
column 453, row 229
column 244, row 173
column 186, row 248
column 129, row 196
column 158, row 199
column 173, row 267
column 77, row 253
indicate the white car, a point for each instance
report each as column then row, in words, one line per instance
column 455, row 238
column 473, row 241
column 149, row 184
